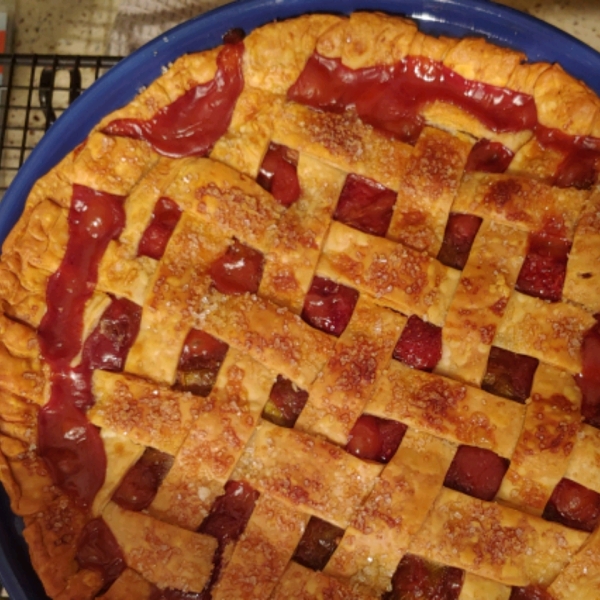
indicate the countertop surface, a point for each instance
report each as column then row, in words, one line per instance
column 83, row 26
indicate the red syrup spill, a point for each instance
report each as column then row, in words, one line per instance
column 318, row 543
column 374, row 438
column 545, row 267
column 589, row 378
column 165, row 217
column 286, row 402
column 420, row 344
column 417, row 578
column 489, row 157
column 390, row 98
column 531, row 592
column 328, row 306
column 141, row 482
column 477, row 472
column 70, row 444
column 573, row 505
column 458, row 238
column 278, row 174
column 509, row 375
column 199, row 363
column 191, row 125
column 365, row 205
column 237, row 271
column 98, row 550
column 226, row 521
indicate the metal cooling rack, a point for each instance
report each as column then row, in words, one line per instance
column 34, row 91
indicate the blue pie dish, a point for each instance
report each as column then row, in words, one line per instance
column 458, row 18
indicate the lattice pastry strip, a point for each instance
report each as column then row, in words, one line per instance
column 521, row 202
column 447, row 409
column 395, row 275
column 306, row 472
column 176, row 291
column 582, row 281
column 344, row 142
column 584, row 458
column 552, row 421
column 348, row 379
column 166, row 555
column 382, row 528
column 428, row 189
column 148, row 413
column 262, row 554
column 298, row 239
column 475, row 587
column 477, row 307
column 305, row 584
column 549, row 332
column 215, row 441
column 130, row 585
column 270, row 334
column 495, row 541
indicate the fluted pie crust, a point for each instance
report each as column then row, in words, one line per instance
column 385, row 511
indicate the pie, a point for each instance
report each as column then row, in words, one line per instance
column 314, row 316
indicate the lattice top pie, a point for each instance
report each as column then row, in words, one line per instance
column 313, row 317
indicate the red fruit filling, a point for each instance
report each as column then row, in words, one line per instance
column 420, row 344
column 318, row 543
column 477, row 472
column 509, row 375
column 489, row 157
column 98, row 550
column 390, row 97
column 581, row 155
column 199, row 363
column 531, row 592
column 418, row 579
column 141, row 482
column 278, row 174
column 328, row 306
column 70, row 445
column 573, row 505
column 196, row 120
column 589, row 378
column 238, row 271
column 108, row 345
column 285, row 403
column 543, row 272
column 374, row 438
column 230, row 513
column 365, row 205
column 165, row 217
column 458, row 238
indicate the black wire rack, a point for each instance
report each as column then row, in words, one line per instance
column 35, row 89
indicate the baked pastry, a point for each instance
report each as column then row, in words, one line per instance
column 313, row 317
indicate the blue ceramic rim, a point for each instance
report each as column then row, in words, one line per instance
column 458, row 18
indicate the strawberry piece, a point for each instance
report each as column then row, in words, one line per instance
column 318, row 543
column 237, row 271
column 477, row 472
column 573, row 505
column 458, row 239
column 199, row 363
column 278, row 174
column 420, row 344
column 489, row 157
column 365, row 205
column 140, row 484
column 328, row 305
column 374, row 438
column 509, row 375
column 154, row 240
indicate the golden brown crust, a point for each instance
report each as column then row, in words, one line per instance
column 303, row 471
